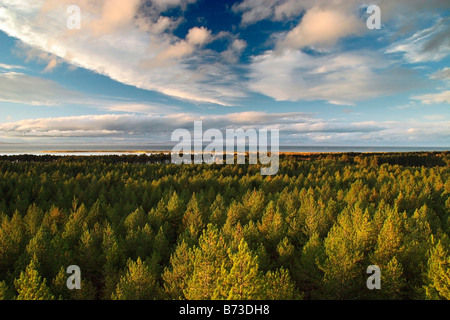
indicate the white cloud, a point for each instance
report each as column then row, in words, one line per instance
column 235, row 49
column 10, row 67
column 435, row 117
column 198, row 36
column 163, row 5
column 433, row 98
column 443, row 74
column 21, row 88
column 341, row 79
column 33, row 54
column 254, row 11
column 117, row 41
column 320, row 27
column 167, row 57
column 155, row 125
column 431, row 44
column 141, row 108
column 295, row 128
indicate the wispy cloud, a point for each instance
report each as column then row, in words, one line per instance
column 10, row 67
column 121, row 42
column 443, row 75
column 431, row 44
column 433, row 98
column 21, row 88
column 342, row 78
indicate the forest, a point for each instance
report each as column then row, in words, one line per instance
column 139, row 227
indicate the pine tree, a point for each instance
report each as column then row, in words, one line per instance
column 392, row 280
column 12, row 241
column 243, row 281
column 218, row 211
column 390, row 238
column 114, row 260
column 209, row 256
column 33, row 219
column 193, row 222
column 139, row 283
column 4, row 292
column 271, row 227
column 136, row 219
column 61, row 292
column 175, row 211
column 41, row 247
column 30, row 285
column 279, row 286
column 346, row 247
column 309, row 275
column 438, row 275
column 180, row 271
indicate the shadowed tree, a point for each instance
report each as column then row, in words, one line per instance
column 181, row 268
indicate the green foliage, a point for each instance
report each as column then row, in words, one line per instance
column 139, row 283
column 438, row 275
column 30, row 285
column 4, row 291
column 243, row 280
column 140, row 228
column 181, row 268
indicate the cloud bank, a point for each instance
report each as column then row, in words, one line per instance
column 295, row 128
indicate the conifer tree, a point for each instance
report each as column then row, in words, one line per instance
column 390, row 238
column 41, row 247
column 209, row 256
column 175, row 211
column 218, row 211
column 138, row 283
column 12, row 241
column 193, row 222
column 392, row 280
column 33, row 219
column 4, row 295
column 61, row 292
column 279, row 286
column 271, row 226
column 180, row 271
column 309, row 275
column 30, row 285
column 346, row 247
column 438, row 275
column 243, row 281
column 113, row 257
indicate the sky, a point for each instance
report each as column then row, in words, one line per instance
column 136, row 70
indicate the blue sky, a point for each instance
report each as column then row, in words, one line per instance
column 137, row 70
